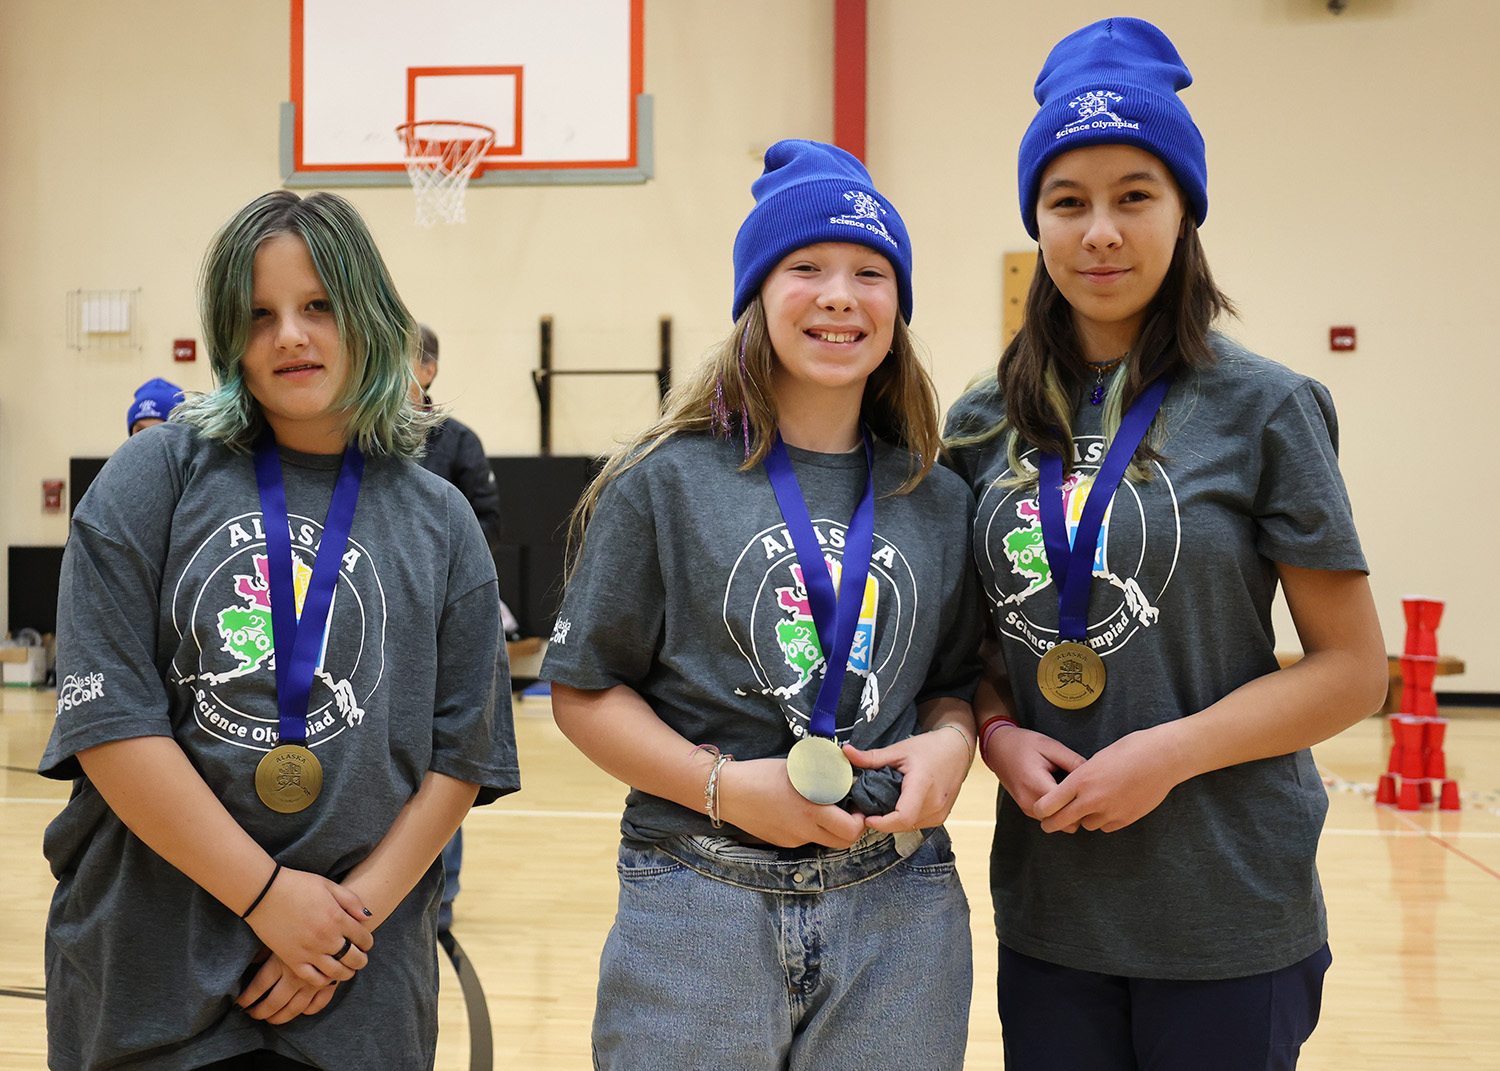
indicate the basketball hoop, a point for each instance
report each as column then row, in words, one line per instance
column 441, row 156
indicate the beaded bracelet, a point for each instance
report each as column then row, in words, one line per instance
column 711, row 789
column 968, row 744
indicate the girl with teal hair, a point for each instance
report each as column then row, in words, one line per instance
column 261, row 779
column 378, row 331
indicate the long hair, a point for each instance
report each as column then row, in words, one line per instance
column 377, row 333
column 1041, row 370
column 734, row 381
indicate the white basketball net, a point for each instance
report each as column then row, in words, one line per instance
column 440, row 158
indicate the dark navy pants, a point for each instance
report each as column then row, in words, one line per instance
column 1060, row 1019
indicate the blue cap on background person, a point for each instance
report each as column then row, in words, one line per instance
column 154, row 400
column 1114, row 82
column 810, row 193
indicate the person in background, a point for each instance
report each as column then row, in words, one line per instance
column 455, row 453
column 154, row 401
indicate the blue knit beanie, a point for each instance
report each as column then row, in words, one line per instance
column 1114, row 83
column 810, row 193
column 154, row 399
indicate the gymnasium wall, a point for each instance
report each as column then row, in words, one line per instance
column 1352, row 175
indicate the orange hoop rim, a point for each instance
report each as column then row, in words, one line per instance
column 410, row 137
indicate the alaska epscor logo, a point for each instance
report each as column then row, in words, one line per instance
column 767, row 590
column 1134, row 557
column 222, row 603
column 78, row 689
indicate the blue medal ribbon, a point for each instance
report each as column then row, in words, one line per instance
column 1073, row 567
column 834, row 616
column 297, row 643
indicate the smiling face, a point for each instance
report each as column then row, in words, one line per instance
column 1108, row 219
column 294, row 362
column 831, row 313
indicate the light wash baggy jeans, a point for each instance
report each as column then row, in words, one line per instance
column 726, row 957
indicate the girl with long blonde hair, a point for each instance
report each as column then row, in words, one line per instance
column 769, row 634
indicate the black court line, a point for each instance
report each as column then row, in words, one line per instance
column 25, row 992
column 481, row 1038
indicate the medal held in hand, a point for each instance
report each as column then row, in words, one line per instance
column 819, row 770
column 816, row 766
column 289, row 777
column 1071, row 674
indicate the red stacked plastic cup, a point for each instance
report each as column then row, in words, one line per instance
column 1393, row 723
column 1409, row 739
column 1450, row 800
column 1417, row 675
column 1433, row 731
column 1420, row 670
column 1411, row 796
column 1422, row 618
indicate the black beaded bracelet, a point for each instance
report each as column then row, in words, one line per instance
column 269, row 881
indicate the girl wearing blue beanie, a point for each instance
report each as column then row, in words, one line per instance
column 1144, row 483
column 770, row 633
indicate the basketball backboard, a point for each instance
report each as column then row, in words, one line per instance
column 558, row 80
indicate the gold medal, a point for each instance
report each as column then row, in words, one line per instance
column 819, row 770
column 288, row 778
column 1070, row 675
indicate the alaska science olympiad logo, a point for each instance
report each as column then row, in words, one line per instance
column 1135, row 557
column 222, row 600
column 768, row 616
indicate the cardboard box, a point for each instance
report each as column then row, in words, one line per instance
column 24, row 666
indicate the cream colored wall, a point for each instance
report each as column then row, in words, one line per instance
column 1352, row 177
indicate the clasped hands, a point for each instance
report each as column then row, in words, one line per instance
column 757, row 797
column 1118, row 785
column 316, row 933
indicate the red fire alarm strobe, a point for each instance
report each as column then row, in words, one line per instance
column 184, row 349
column 52, row 496
column 1341, row 339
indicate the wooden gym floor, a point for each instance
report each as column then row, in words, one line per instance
column 1413, row 900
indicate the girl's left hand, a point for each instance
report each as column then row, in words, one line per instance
column 933, row 766
column 279, row 995
column 1120, row 784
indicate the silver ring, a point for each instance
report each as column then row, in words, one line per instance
column 339, row 955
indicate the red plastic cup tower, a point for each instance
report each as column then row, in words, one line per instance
column 1418, row 769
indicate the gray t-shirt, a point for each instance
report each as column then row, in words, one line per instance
column 164, row 630
column 1219, row 880
column 689, row 591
